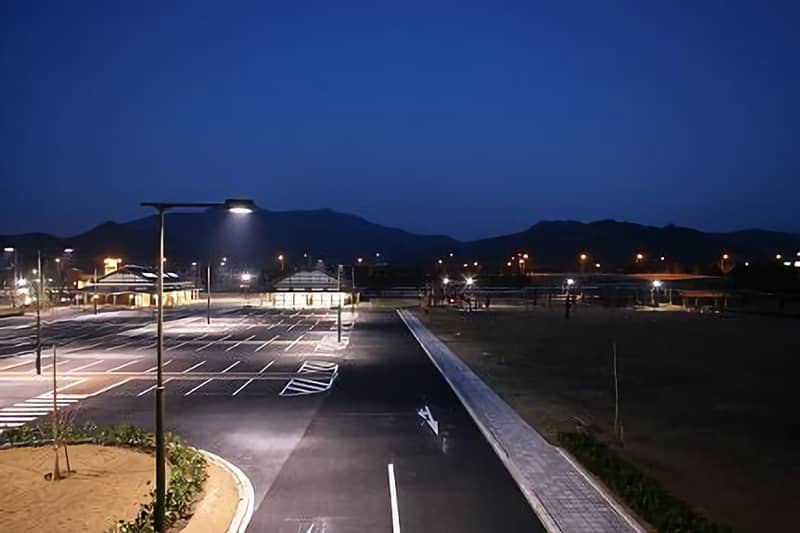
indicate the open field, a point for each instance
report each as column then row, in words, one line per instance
column 708, row 402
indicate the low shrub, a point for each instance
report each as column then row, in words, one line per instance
column 645, row 495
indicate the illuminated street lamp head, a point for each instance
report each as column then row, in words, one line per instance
column 239, row 206
column 778, row 256
column 439, row 261
column 466, row 265
column 194, row 263
column 657, row 283
column 597, row 265
column 570, row 282
column 470, row 281
column 725, row 256
column 508, row 264
column 639, row 256
column 360, row 260
column 246, row 276
column 747, row 263
column 475, row 263
column 280, row 257
column 69, row 250
column 663, row 258
column 451, row 254
column 8, row 249
column 446, row 280
column 584, row 257
column 524, row 256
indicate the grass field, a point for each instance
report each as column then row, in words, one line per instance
column 708, row 402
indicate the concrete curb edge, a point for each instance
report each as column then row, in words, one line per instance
column 244, row 510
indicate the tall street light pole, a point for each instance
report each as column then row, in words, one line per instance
column 208, row 293
column 234, row 206
column 39, row 313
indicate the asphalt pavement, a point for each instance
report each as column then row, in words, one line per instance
column 329, row 434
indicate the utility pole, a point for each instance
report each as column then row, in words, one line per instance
column 161, row 477
column 56, row 470
column 94, row 297
column 208, row 293
column 339, row 309
column 39, row 313
column 352, row 290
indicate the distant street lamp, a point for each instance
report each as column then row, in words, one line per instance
column 655, row 287
column 280, row 258
column 233, row 206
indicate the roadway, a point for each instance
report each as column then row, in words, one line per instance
column 329, row 434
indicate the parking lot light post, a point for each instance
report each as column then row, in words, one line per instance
column 339, row 309
column 208, row 293
column 39, row 313
column 234, row 206
column 10, row 249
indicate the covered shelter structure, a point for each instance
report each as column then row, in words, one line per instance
column 309, row 289
column 135, row 286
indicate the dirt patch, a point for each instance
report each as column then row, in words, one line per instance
column 108, row 484
column 707, row 401
column 217, row 506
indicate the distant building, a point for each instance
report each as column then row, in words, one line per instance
column 309, row 289
column 133, row 285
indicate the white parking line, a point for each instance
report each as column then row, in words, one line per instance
column 238, row 343
column 168, row 361
column 118, row 346
column 246, row 383
column 123, row 365
column 266, row 367
column 231, row 366
column 86, row 366
column 273, row 339
column 209, row 380
column 193, row 367
column 292, row 345
column 148, row 389
column 17, row 364
column 178, row 346
column 393, row 497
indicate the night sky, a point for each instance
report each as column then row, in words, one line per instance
column 470, row 119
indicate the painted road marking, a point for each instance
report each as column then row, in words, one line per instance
column 118, row 346
column 266, row 367
column 304, row 386
column 148, row 389
column 273, row 339
column 168, row 361
column 249, row 381
column 193, row 367
column 123, row 365
column 85, row 366
column 209, row 380
column 238, row 343
column 17, row 364
column 231, row 366
column 295, row 325
column 393, row 498
column 294, row 343
column 178, row 346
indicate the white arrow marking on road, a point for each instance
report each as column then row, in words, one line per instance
column 425, row 414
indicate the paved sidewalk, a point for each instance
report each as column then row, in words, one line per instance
column 562, row 495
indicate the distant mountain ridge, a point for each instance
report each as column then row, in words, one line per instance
column 257, row 239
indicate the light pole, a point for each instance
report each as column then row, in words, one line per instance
column 208, row 293
column 339, row 310
column 233, row 206
column 39, row 313
column 280, row 258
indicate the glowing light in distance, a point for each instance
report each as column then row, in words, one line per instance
column 446, row 280
column 570, row 282
column 657, row 283
column 470, row 281
column 246, row 276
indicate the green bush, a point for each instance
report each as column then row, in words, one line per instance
column 646, row 496
column 188, row 467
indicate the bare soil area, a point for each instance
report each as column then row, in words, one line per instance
column 708, row 402
column 107, row 484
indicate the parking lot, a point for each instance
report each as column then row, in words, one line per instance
column 243, row 352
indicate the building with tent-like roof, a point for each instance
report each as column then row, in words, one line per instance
column 310, row 289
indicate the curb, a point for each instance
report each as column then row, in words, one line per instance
column 244, row 511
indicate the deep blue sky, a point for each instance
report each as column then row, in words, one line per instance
column 470, row 119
